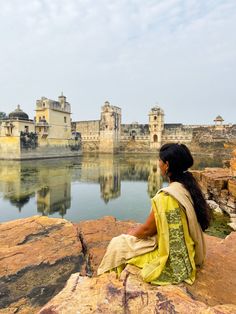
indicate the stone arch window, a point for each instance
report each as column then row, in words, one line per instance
column 155, row 138
column 155, row 117
column 133, row 135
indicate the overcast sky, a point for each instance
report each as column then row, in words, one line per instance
column 179, row 54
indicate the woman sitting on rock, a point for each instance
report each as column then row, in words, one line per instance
column 170, row 244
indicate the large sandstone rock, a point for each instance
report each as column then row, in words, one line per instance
column 37, row 256
column 216, row 281
column 233, row 163
column 106, row 294
column 96, row 234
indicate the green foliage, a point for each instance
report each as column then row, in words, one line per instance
column 2, row 115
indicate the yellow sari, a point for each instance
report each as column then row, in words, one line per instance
column 170, row 256
column 173, row 259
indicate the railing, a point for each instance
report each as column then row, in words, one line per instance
column 42, row 123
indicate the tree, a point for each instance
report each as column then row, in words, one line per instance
column 2, row 115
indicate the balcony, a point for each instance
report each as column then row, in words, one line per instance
column 42, row 123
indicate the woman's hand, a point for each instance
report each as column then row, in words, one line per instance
column 147, row 229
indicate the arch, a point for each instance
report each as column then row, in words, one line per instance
column 133, row 134
column 155, row 138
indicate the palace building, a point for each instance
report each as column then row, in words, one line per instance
column 48, row 135
column 53, row 134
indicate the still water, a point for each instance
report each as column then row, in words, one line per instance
column 84, row 188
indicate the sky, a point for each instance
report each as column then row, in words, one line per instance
column 177, row 54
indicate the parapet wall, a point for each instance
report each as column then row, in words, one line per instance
column 10, row 148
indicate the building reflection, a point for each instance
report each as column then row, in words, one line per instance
column 49, row 181
column 13, row 184
column 55, row 199
column 104, row 170
column 155, row 180
column 109, row 179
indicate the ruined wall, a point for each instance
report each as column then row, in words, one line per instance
column 134, row 131
column 90, row 134
column 176, row 133
column 210, row 139
column 137, row 146
column 89, row 130
column 134, row 138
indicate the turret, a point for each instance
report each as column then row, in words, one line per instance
column 110, row 125
column 156, row 126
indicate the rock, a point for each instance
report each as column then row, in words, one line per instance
column 232, row 225
column 37, row 256
column 232, row 187
column 106, row 294
column 214, row 206
column 219, row 186
column 233, row 163
column 215, row 283
column 96, row 234
column 98, row 298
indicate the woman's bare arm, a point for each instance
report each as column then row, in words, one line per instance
column 147, row 229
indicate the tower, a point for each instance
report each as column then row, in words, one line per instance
column 110, row 125
column 53, row 121
column 156, row 126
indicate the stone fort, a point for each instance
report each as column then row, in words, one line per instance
column 109, row 135
column 52, row 133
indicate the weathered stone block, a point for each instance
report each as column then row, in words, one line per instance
column 232, row 187
column 37, row 256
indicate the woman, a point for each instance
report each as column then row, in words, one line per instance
column 170, row 244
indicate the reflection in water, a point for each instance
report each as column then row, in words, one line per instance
column 49, row 181
column 19, row 201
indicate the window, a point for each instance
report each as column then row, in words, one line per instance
column 64, row 119
column 155, row 117
column 154, row 138
column 26, row 128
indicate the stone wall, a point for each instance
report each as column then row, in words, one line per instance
column 175, row 134
column 10, row 148
column 136, row 137
column 135, row 131
column 135, row 146
column 218, row 185
column 210, row 139
column 89, row 130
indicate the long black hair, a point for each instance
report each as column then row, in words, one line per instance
column 180, row 160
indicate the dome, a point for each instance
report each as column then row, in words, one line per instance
column 18, row 114
column 219, row 118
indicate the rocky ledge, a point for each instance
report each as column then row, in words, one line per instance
column 219, row 187
column 48, row 266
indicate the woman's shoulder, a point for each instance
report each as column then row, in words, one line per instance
column 163, row 198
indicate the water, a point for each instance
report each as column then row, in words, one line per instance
column 88, row 187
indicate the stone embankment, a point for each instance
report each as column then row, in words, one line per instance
column 39, row 255
column 219, row 185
